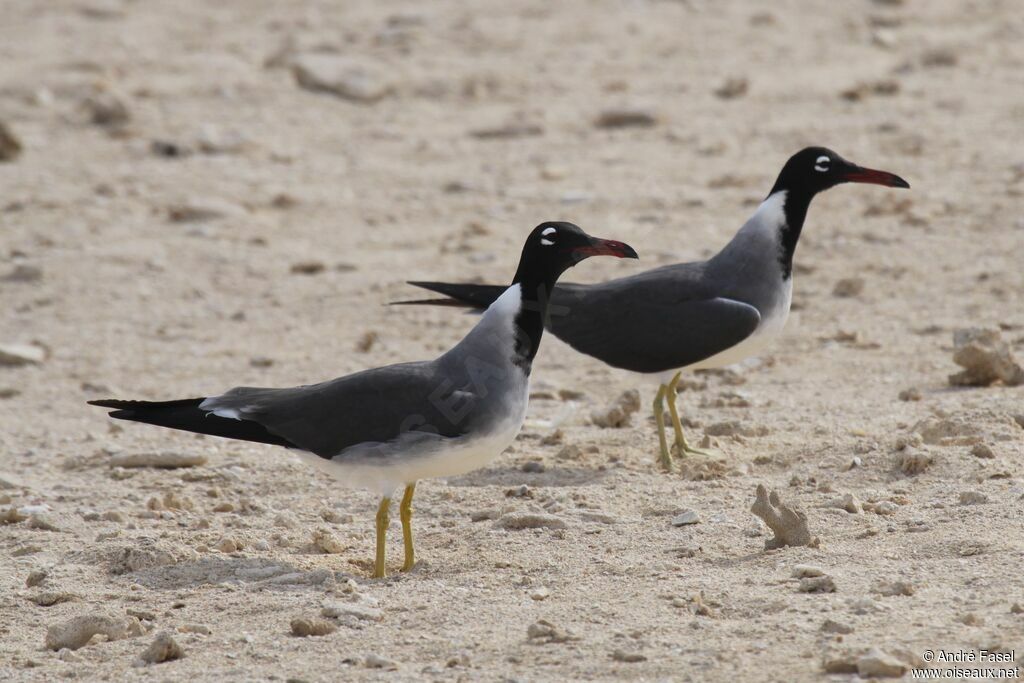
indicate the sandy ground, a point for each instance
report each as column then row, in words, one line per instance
column 230, row 226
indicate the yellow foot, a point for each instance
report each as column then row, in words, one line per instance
column 681, row 447
column 684, row 449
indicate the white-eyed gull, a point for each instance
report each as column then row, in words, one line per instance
column 704, row 314
column 391, row 426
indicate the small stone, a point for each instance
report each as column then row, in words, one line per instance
column 549, row 172
column 732, row 88
column 78, row 631
column 345, row 77
column 35, row 578
column 516, row 521
column 169, row 149
column 13, row 355
column 849, row 287
column 261, row 362
column 966, row 498
column 540, row 593
column 911, row 394
column 107, row 108
column 847, row 502
column 939, row 57
column 789, row 526
column 11, row 515
column 303, row 627
column 803, row 571
column 885, row 508
column 521, row 491
column 163, row 649
column 817, row 584
column 326, row 542
column 618, row 414
column 543, row 631
column 883, row 38
column 862, row 91
column 224, row 507
column 212, row 140
column 335, row 517
column 945, row 431
column 202, row 209
column 195, row 628
column 113, row 516
column 24, row 272
column 894, row 588
column 50, row 598
column 172, row 501
column 735, row 428
column 844, row 664
column 533, row 467
column 625, row 118
column 141, row 614
column 569, row 452
column 985, row 357
column 971, row 619
column 307, row 267
column 374, row 661
column 286, row 520
column 981, row 450
column 10, row 145
column 361, row 612
column 146, row 553
column 878, row 663
column 831, row 626
column 508, row 131
column 628, row 657
column 367, row 341
column 686, row 517
column 912, row 461
column 41, row 521
column 160, row 460
column 229, row 545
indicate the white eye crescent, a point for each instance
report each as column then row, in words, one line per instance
column 821, row 163
column 545, row 242
column 546, row 232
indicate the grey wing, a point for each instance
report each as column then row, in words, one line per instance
column 373, row 406
column 645, row 326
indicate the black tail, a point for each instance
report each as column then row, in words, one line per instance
column 186, row 415
column 471, row 296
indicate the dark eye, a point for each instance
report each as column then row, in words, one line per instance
column 821, row 164
column 547, row 238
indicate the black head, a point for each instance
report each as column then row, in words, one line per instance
column 816, row 169
column 550, row 249
column 555, row 246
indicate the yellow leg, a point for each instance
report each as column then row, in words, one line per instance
column 406, row 514
column 682, row 448
column 659, row 416
column 382, row 531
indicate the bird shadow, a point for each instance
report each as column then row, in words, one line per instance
column 266, row 572
column 555, row 476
